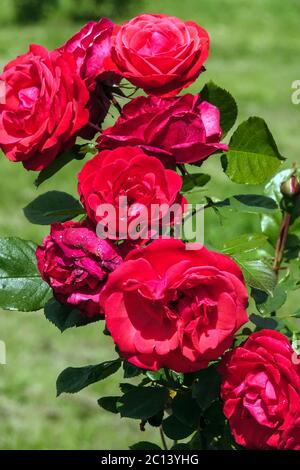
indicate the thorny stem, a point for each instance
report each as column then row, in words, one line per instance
column 163, row 439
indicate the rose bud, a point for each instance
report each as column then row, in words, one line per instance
column 291, row 187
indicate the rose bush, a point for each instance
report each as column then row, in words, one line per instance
column 260, row 389
column 176, row 130
column 76, row 263
column 192, row 301
column 160, row 54
column 176, row 313
column 129, row 173
column 44, row 107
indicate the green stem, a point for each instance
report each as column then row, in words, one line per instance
column 281, row 242
column 163, row 439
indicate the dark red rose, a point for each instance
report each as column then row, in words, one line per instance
column 76, row 264
column 159, row 53
column 182, row 130
column 90, row 47
column 127, row 172
column 167, row 306
column 260, row 389
column 43, row 109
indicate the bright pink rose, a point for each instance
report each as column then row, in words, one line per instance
column 127, row 172
column 76, row 264
column 167, row 306
column 182, row 130
column 43, row 109
column 159, row 53
column 90, row 47
column 260, row 389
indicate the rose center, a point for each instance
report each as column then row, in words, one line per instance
column 28, row 96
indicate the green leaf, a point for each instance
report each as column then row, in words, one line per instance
column 109, row 404
column 249, row 203
column 142, row 402
column 195, row 180
column 130, row 370
column 258, row 274
column 181, row 446
column 207, row 387
column 273, row 302
column 185, row 409
column 53, row 206
column 244, row 243
column 74, row 379
column 77, row 153
column 224, row 101
column 296, row 314
column 263, row 323
column 270, row 226
column 21, row 286
column 145, row 445
column 175, row 429
column 65, row 317
column 253, row 156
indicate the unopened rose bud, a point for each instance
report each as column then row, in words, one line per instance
column 291, row 187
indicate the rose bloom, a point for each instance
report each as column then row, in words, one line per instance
column 167, row 306
column 127, row 172
column 76, row 263
column 90, row 47
column 260, row 389
column 43, row 109
column 159, row 53
column 290, row 438
column 182, row 129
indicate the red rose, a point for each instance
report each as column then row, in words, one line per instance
column 290, row 438
column 167, row 306
column 127, row 172
column 76, row 264
column 90, row 47
column 260, row 389
column 182, row 130
column 159, row 53
column 44, row 107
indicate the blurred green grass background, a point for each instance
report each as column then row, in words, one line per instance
column 255, row 55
